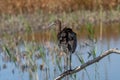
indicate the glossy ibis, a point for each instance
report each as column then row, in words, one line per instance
column 67, row 40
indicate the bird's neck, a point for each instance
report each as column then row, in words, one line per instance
column 60, row 28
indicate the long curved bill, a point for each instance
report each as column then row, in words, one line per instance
column 51, row 24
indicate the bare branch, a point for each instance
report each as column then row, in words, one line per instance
column 77, row 69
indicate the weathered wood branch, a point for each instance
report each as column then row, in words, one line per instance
column 79, row 68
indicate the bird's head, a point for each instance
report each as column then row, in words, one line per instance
column 57, row 23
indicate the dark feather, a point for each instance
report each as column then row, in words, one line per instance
column 67, row 39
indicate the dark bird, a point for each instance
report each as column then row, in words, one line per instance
column 67, row 40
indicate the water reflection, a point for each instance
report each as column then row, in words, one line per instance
column 38, row 58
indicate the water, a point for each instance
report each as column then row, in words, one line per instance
column 43, row 65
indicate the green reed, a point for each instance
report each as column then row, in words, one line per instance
column 58, row 64
column 11, row 56
column 42, row 53
column 81, row 60
column 91, row 37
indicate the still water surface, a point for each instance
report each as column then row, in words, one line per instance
column 106, row 69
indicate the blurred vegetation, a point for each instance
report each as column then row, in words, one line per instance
column 32, row 32
column 23, row 6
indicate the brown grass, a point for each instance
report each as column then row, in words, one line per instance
column 22, row 6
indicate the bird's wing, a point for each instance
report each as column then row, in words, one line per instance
column 72, row 42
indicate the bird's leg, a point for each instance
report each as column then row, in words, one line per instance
column 70, row 61
column 64, row 62
column 67, row 61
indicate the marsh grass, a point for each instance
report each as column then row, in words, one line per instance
column 34, row 49
column 28, row 30
column 31, row 47
column 22, row 23
column 56, row 6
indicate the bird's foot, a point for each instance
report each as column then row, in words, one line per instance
column 70, row 70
